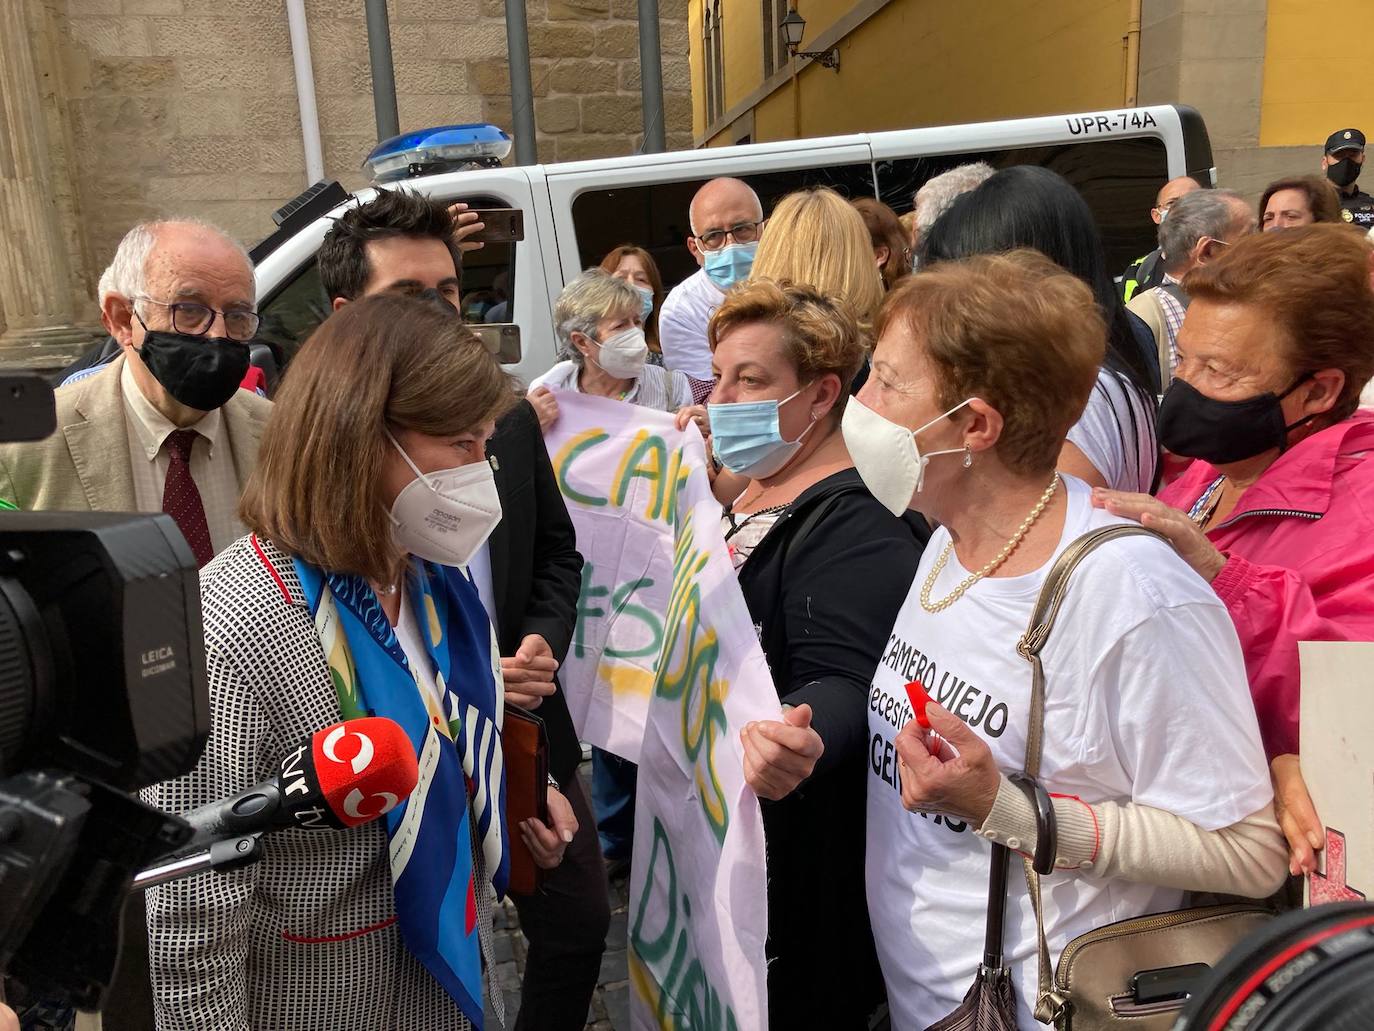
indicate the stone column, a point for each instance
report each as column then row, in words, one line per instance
column 35, row 271
column 1212, row 56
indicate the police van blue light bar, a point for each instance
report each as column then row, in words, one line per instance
column 444, row 148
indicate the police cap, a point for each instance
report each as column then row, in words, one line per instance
column 1345, row 139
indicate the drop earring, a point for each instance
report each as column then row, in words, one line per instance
column 968, row 456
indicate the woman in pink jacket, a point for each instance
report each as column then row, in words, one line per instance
column 1277, row 513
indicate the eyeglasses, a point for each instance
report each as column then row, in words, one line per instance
column 742, row 232
column 195, row 319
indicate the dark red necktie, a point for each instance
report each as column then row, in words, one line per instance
column 181, row 499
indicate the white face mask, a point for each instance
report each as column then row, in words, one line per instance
column 623, row 354
column 445, row 516
column 886, row 456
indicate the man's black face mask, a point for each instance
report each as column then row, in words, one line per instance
column 200, row 372
column 1343, row 172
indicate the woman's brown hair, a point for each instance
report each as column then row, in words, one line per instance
column 1313, row 282
column 382, row 363
column 1323, row 199
column 885, row 230
column 819, row 334
column 1014, row 330
column 611, row 262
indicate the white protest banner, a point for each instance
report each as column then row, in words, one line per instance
column 1337, row 735
column 665, row 669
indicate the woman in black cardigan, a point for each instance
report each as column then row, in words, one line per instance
column 824, row 569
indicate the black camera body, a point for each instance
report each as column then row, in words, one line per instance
column 102, row 661
column 102, row 692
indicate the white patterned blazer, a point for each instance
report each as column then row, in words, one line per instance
column 305, row 940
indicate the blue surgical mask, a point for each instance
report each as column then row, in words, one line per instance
column 746, row 438
column 646, row 302
column 730, row 265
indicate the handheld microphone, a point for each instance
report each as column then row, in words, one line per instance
column 342, row 776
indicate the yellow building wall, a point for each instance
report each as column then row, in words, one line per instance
column 696, row 65
column 743, row 45
column 1316, row 73
column 930, row 62
column 742, row 53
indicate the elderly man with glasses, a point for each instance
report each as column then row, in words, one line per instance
column 726, row 219
column 163, row 427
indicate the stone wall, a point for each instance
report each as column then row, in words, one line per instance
column 158, row 107
column 585, row 74
column 1212, row 56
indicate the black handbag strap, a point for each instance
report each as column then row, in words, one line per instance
column 1048, row 1004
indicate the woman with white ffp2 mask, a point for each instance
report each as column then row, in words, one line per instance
column 446, row 514
column 599, row 322
column 371, row 489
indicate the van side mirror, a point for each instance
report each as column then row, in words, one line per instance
column 501, row 339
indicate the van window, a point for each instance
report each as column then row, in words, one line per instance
column 293, row 310
column 1118, row 178
column 655, row 216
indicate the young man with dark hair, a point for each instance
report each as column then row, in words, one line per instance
column 398, row 242
column 529, row 577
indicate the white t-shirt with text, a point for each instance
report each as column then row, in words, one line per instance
column 1146, row 701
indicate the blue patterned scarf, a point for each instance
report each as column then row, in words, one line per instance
column 459, row 750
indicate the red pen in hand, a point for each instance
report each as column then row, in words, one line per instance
column 919, row 700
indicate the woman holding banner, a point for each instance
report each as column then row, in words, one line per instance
column 1150, row 747
column 823, row 569
column 599, row 322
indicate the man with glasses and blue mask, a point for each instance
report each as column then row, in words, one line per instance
column 727, row 219
column 164, row 427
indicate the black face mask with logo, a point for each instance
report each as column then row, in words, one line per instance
column 1194, row 425
column 1343, row 172
column 199, row 372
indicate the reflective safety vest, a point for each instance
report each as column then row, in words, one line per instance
column 1143, row 273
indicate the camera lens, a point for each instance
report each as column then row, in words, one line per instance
column 1311, row 970
column 24, row 668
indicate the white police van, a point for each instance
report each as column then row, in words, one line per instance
column 575, row 213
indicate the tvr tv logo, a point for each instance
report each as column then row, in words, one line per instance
column 349, row 748
column 362, row 752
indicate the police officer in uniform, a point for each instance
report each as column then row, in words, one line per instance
column 1342, row 162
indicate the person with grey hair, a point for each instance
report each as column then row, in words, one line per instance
column 598, row 321
column 935, row 197
column 1148, row 270
column 600, row 331
column 1200, row 225
column 163, row 427
column 122, row 276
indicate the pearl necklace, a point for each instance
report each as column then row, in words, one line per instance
column 1002, row 556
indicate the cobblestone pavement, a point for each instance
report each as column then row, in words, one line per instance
column 610, row 1009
